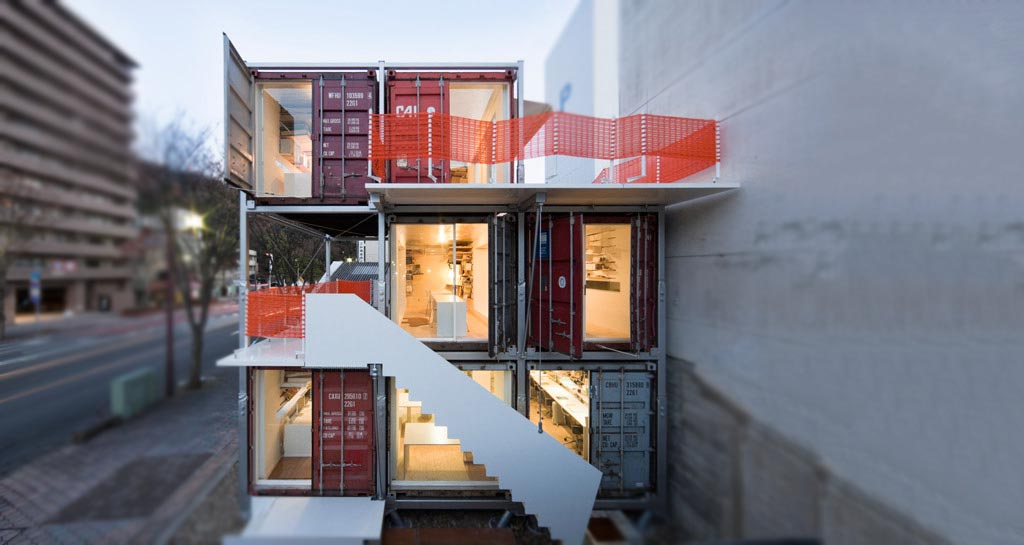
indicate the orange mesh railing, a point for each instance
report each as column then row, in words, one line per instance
column 278, row 312
column 683, row 146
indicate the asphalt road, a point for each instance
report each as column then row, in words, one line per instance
column 58, row 384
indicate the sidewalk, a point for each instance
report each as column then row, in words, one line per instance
column 131, row 484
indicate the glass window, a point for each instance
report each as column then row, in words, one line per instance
column 486, row 102
column 560, row 403
column 606, row 302
column 285, row 113
column 283, row 436
column 440, row 280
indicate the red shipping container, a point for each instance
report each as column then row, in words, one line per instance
column 343, row 433
column 355, row 95
column 353, row 123
column 355, row 148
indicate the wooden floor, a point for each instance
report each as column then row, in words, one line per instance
column 293, row 467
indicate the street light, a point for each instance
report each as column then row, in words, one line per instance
column 193, row 221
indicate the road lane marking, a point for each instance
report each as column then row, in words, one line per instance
column 132, row 341
column 130, row 358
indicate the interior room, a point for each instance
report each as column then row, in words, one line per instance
column 560, row 401
column 283, row 428
column 440, row 280
column 424, row 452
column 285, row 111
column 606, row 301
column 486, row 102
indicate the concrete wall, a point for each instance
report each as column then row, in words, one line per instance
column 581, row 77
column 860, row 298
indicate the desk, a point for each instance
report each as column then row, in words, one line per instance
column 567, row 404
column 448, row 310
column 426, row 434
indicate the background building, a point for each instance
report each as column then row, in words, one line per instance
column 65, row 147
column 843, row 330
column 581, row 77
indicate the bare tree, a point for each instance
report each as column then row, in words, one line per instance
column 17, row 217
column 185, row 182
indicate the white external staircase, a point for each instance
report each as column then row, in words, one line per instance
column 551, row 482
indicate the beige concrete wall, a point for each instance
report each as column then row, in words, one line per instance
column 860, row 295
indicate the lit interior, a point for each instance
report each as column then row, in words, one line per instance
column 436, row 295
column 285, row 111
column 284, row 418
column 560, row 402
column 486, row 102
column 424, row 452
column 606, row 303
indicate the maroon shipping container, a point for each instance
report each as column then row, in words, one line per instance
column 342, row 126
column 427, row 92
column 354, row 147
column 349, row 123
column 343, row 433
column 410, row 97
column 559, row 281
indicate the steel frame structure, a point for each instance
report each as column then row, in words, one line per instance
column 520, row 363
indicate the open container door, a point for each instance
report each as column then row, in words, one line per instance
column 503, row 279
column 239, row 121
column 643, row 299
column 556, row 295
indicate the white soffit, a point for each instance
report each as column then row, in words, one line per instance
column 557, row 194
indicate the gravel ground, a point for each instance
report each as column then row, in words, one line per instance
column 524, row 528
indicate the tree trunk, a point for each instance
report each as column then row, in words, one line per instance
column 3, row 297
column 3, row 305
column 195, row 375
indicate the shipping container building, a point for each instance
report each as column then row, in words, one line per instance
column 509, row 354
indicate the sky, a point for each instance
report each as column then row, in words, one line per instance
column 178, row 45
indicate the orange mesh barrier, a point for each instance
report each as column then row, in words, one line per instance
column 684, row 146
column 278, row 312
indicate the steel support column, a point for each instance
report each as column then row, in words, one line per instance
column 243, row 341
column 661, row 451
column 382, row 280
column 522, row 405
column 327, row 256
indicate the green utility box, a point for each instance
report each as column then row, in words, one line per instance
column 132, row 392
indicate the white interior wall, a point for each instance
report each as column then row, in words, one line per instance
column 609, row 310
column 272, row 179
column 862, row 292
column 273, row 429
column 481, row 277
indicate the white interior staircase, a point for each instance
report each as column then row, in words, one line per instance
column 552, row 482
